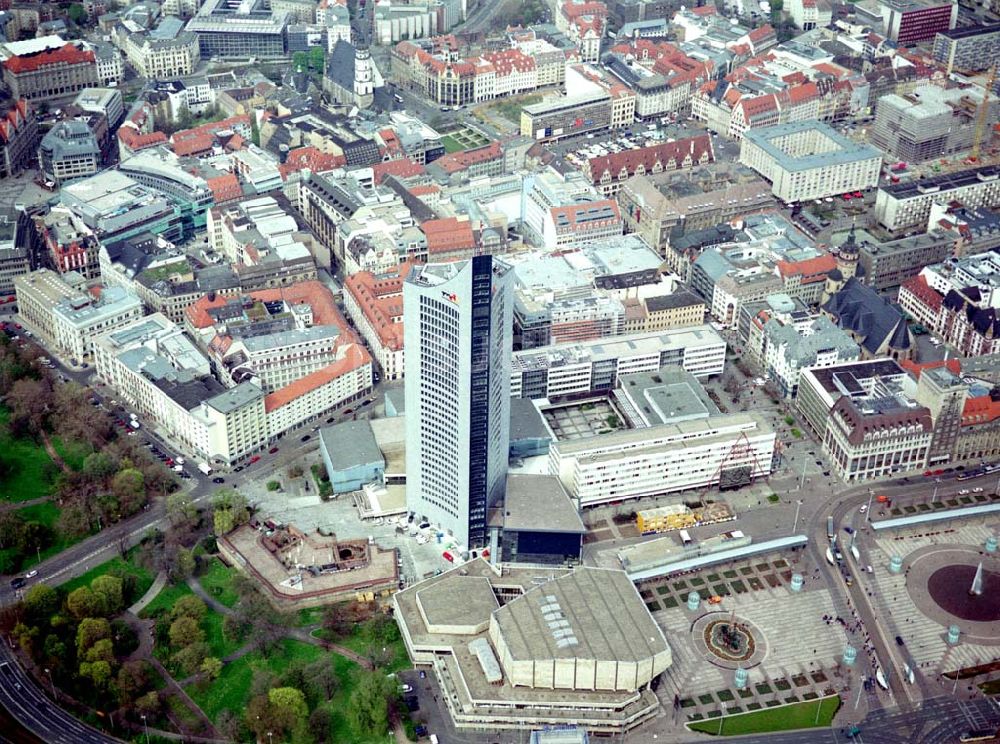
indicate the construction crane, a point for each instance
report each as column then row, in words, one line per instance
column 982, row 115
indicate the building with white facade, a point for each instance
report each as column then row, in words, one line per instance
column 67, row 317
column 867, row 418
column 559, row 209
column 790, row 347
column 457, row 326
column 595, row 366
column 158, row 58
column 905, row 205
column 159, row 372
column 292, row 343
column 680, row 442
column 374, row 302
column 809, row 160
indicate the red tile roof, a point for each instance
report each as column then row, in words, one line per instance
column 696, row 148
column 459, row 161
column 915, row 368
column 400, row 168
column 510, row 60
column 135, row 140
column 13, row 120
column 64, row 55
column 447, row 235
column 312, row 292
column 980, row 410
column 353, row 357
column 225, row 188
column 380, row 299
column 312, row 158
column 811, row 270
column 924, row 292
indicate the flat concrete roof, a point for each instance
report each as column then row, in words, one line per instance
column 458, row 600
column 724, row 556
column 350, row 444
column 539, row 503
column 599, row 608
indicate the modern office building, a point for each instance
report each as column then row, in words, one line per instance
column 679, row 441
column 594, row 367
column 566, row 116
column 541, row 524
column 809, row 160
column 906, row 205
column 240, row 31
column 69, row 151
column 887, row 265
column 115, row 206
column 457, row 328
column 968, row 49
column 930, row 122
column 159, row 169
column 107, row 101
column 907, row 22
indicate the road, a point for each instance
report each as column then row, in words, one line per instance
column 25, row 700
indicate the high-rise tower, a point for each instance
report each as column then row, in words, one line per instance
column 457, row 336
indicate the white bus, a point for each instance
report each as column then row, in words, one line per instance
column 686, row 538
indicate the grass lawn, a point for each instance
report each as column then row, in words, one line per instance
column 143, row 578
column 165, row 600
column 28, row 461
column 511, row 109
column 784, row 718
column 310, row 616
column 217, row 581
column 451, row 144
column 220, row 645
column 232, row 688
column 72, row 453
column 357, row 643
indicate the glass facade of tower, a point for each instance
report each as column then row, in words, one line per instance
column 457, row 327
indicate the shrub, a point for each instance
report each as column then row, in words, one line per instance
column 273, row 485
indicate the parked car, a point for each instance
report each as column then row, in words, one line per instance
column 272, row 451
column 218, row 480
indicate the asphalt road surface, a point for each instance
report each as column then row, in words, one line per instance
column 26, row 702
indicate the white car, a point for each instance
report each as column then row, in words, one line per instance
column 404, row 688
column 863, row 509
column 964, row 491
column 977, row 489
column 31, row 574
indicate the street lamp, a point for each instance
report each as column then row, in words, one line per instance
column 49, row 672
column 722, row 718
column 795, row 524
column 145, row 726
column 270, row 737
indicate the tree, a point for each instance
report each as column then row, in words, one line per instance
column 184, row 631
column 369, row 707
column 77, row 14
column 211, row 667
column 89, row 632
column 320, row 721
column 229, row 510
column 129, row 489
column 336, row 620
column 41, row 602
column 189, row 659
column 261, row 717
column 99, row 672
column 317, row 58
column 262, row 682
column 34, row 536
column 289, row 709
column 189, row 606
column 109, row 589
column 148, row 704
column 30, row 402
column 11, row 526
column 181, row 510
column 320, row 679
column 132, row 679
column 102, row 650
column 83, row 602
column 74, row 521
column 300, row 60
column 99, row 465
column 229, row 725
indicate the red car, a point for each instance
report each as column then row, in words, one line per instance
column 272, row 450
column 254, row 459
column 858, row 195
column 448, row 557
